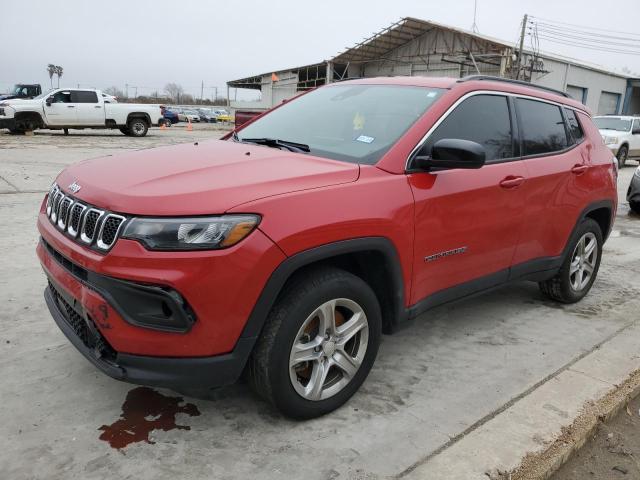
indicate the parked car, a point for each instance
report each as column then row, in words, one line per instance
column 633, row 192
column 109, row 98
column 71, row 108
column 222, row 115
column 207, row 115
column 186, row 114
column 23, row 90
column 286, row 249
column 621, row 134
column 169, row 115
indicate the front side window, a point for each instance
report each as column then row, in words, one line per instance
column 543, row 129
column 636, row 125
column 574, row 125
column 84, row 96
column 483, row 119
column 62, row 97
column 353, row 123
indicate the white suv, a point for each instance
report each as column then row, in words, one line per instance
column 621, row 134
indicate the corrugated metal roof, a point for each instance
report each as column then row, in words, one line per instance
column 409, row 28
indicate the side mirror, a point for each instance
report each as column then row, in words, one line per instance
column 635, row 131
column 451, row 153
column 49, row 101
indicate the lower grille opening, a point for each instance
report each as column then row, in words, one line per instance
column 85, row 330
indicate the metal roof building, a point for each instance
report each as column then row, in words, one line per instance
column 419, row 47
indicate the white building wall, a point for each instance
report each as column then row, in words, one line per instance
column 562, row 74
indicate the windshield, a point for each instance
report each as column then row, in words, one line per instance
column 612, row 123
column 354, row 123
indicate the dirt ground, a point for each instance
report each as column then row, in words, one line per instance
column 612, row 453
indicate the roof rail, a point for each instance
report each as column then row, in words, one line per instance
column 515, row 82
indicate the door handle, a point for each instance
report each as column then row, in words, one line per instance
column 511, row 181
column 579, row 169
column 71, row 106
column 97, row 106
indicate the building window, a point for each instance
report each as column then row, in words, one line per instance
column 609, row 103
column 577, row 93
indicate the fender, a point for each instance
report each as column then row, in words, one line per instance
column 307, row 257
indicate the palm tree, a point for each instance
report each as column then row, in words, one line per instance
column 58, row 73
column 51, row 69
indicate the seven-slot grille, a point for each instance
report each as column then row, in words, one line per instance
column 86, row 224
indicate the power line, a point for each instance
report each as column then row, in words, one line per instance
column 635, row 34
column 582, row 32
column 585, row 45
column 587, row 39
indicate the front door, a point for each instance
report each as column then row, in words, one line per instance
column 61, row 111
column 468, row 222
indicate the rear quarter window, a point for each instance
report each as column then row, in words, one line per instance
column 574, row 125
column 543, row 128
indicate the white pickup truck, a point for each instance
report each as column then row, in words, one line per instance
column 71, row 108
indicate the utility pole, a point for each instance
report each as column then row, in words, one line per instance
column 202, row 91
column 524, row 27
column 474, row 27
column 126, row 90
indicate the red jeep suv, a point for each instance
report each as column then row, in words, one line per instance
column 285, row 249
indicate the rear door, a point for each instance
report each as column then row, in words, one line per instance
column 467, row 222
column 89, row 109
column 61, row 111
column 557, row 156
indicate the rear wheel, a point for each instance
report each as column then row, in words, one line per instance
column 580, row 267
column 623, row 154
column 137, row 127
column 635, row 207
column 318, row 344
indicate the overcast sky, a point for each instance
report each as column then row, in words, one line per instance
column 148, row 43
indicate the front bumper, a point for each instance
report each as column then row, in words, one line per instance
column 633, row 192
column 176, row 373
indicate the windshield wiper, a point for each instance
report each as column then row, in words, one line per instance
column 277, row 143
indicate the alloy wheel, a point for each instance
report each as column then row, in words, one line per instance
column 583, row 261
column 328, row 349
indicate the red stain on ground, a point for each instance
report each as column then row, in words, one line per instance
column 143, row 411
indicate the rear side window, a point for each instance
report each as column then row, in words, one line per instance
column 81, row 96
column 483, row 119
column 574, row 125
column 543, row 129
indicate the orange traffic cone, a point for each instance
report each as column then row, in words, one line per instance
column 189, row 127
column 163, row 126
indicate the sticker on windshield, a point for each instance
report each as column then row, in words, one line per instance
column 365, row 139
column 431, row 94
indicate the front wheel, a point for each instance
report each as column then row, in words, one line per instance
column 580, row 267
column 318, row 344
column 622, row 156
column 137, row 127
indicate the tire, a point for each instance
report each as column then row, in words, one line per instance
column 635, row 207
column 622, row 156
column 66, row 131
column 569, row 285
column 126, row 131
column 292, row 322
column 16, row 131
column 137, row 127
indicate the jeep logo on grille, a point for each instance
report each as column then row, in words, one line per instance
column 74, row 187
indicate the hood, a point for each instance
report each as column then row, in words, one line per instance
column 192, row 179
column 13, row 101
column 611, row 133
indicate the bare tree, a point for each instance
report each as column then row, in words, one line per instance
column 174, row 91
column 58, row 72
column 115, row 91
column 51, row 69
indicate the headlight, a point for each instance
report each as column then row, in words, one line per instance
column 196, row 233
column 637, row 174
column 610, row 140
